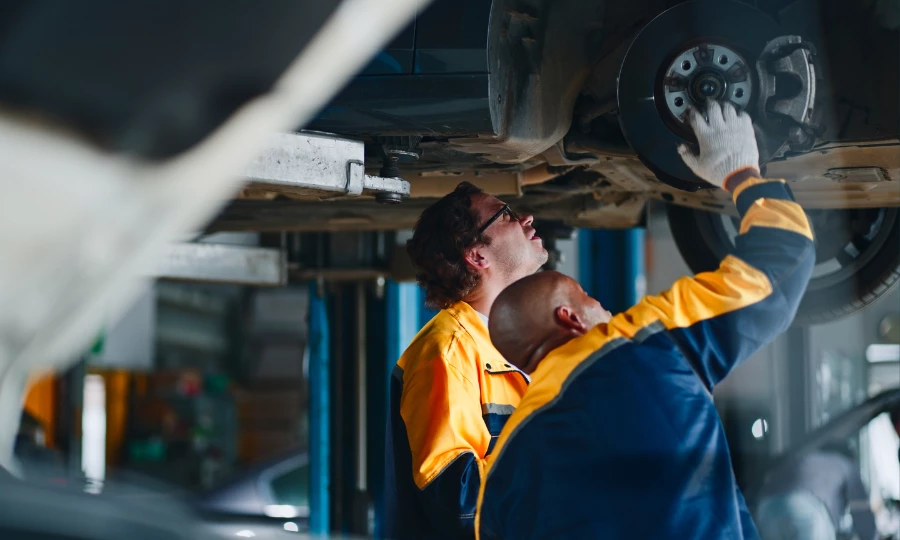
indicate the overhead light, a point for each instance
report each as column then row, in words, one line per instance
column 290, row 526
column 245, row 534
column 883, row 352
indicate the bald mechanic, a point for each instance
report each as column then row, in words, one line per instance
column 451, row 391
column 617, row 436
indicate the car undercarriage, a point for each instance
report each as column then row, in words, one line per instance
column 571, row 110
column 584, row 109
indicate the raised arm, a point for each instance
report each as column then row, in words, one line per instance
column 720, row 318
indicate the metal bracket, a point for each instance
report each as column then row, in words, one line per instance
column 356, row 177
column 787, row 93
column 320, row 165
column 387, row 185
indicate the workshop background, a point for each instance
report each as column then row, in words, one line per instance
column 207, row 386
column 263, row 195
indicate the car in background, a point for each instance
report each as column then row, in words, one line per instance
column 845, row 432
column 30, row 510
column 39, row 510
column 268, row 501
column 272, row 496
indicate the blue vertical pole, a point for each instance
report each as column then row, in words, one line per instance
column 319, row 384
column 600, row 266
column 585, row 244
column 403, row 322
column 635, row 278
column 425, row 313
column 611, row 266
column 403, row 319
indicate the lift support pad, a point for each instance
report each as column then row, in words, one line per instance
column 319, row 165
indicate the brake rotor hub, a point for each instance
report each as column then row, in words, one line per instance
column 706, row 73
column 693, row 52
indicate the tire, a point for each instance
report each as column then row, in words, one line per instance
column 705, row 238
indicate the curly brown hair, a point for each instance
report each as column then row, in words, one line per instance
column 444, row 232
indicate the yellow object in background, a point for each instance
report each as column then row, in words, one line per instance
column 41, row 403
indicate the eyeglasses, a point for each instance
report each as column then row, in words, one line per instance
column 505, row 210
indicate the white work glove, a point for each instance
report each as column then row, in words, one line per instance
column 727, row 143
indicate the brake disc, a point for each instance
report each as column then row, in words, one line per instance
column 697, row 51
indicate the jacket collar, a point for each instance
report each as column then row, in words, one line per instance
column 472, row 323
column 468, row 318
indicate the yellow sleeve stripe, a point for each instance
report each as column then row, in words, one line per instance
column 750, row 182
column 777, row 214
column 735, row 285
column 436, row 467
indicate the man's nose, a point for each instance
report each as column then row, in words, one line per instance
column 526, row 219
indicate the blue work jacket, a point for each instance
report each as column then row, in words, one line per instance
column 617, row 435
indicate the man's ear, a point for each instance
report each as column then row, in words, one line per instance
column 476, row 259
column 570, row 320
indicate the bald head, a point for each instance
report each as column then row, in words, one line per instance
column 539, row 313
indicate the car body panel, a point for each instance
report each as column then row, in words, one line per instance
column 856, row 165
column 252, row 494
column 432, row 80
column 837, row 429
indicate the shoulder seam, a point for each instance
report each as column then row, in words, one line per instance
column 442, row 356
column 590, row 360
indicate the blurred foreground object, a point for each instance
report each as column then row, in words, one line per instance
column 93, row 190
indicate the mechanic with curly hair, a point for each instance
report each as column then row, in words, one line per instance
column 451, row 391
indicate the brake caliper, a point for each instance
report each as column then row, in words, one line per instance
column 787, row 92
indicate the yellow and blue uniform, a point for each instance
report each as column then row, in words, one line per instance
column 450, row 395
column 617, row 436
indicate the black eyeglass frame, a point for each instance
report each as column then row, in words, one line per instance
column 505, row 210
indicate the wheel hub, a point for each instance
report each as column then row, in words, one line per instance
column 696, row 51
column 706, row 73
